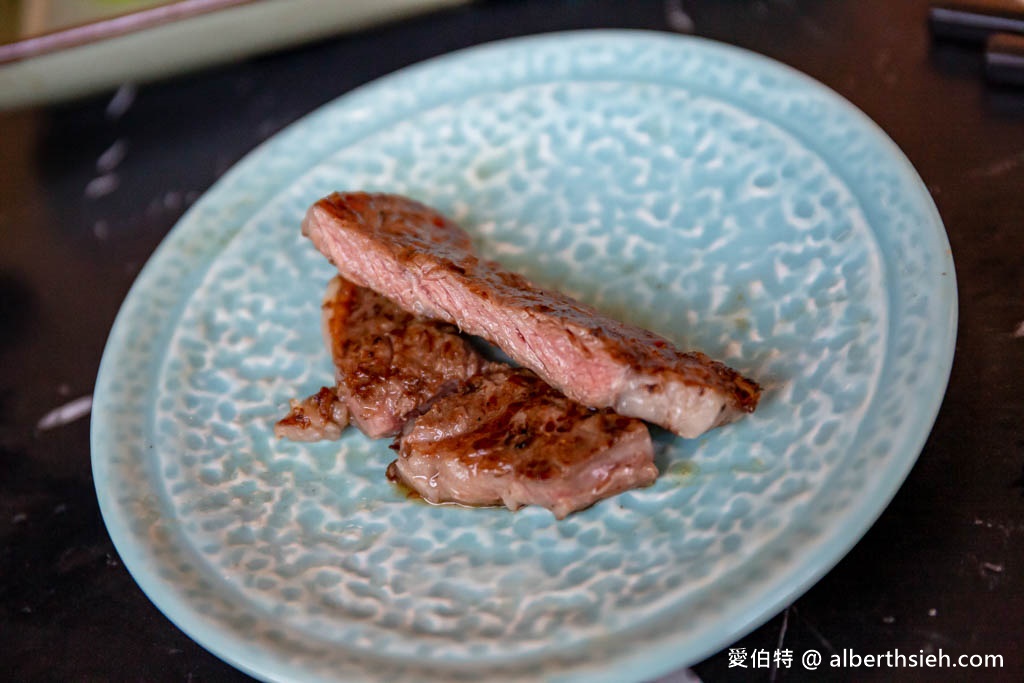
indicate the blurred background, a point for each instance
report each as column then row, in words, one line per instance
column 118, row 114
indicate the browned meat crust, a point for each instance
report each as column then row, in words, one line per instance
column 390, row 364
column 321, row 417
column 508, row 438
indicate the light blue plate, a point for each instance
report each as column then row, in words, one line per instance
column 721, row 199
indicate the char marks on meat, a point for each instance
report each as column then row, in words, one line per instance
column 389, row 363
column 321, row 417
column 506, row 437
column 424, row 262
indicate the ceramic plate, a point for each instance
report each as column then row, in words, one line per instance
column 65, row 49
column 721, row 199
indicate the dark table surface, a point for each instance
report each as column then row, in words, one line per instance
column 942, row 568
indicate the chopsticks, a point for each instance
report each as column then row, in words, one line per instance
column 999, row 24
column 1004, row 58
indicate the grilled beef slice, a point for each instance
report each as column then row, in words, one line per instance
column 389, row 364
column 422, row 261
column 506, row 437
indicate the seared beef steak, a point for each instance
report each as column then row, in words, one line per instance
column 506, row 437
column 422, row 261
column 390, row 364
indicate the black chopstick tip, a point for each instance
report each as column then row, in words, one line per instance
column 975, row 20
column 1004, row 59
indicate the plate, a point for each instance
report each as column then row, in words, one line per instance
column 60, row 50
column 721, row 199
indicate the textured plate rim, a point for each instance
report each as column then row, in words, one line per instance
column 645, row 662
